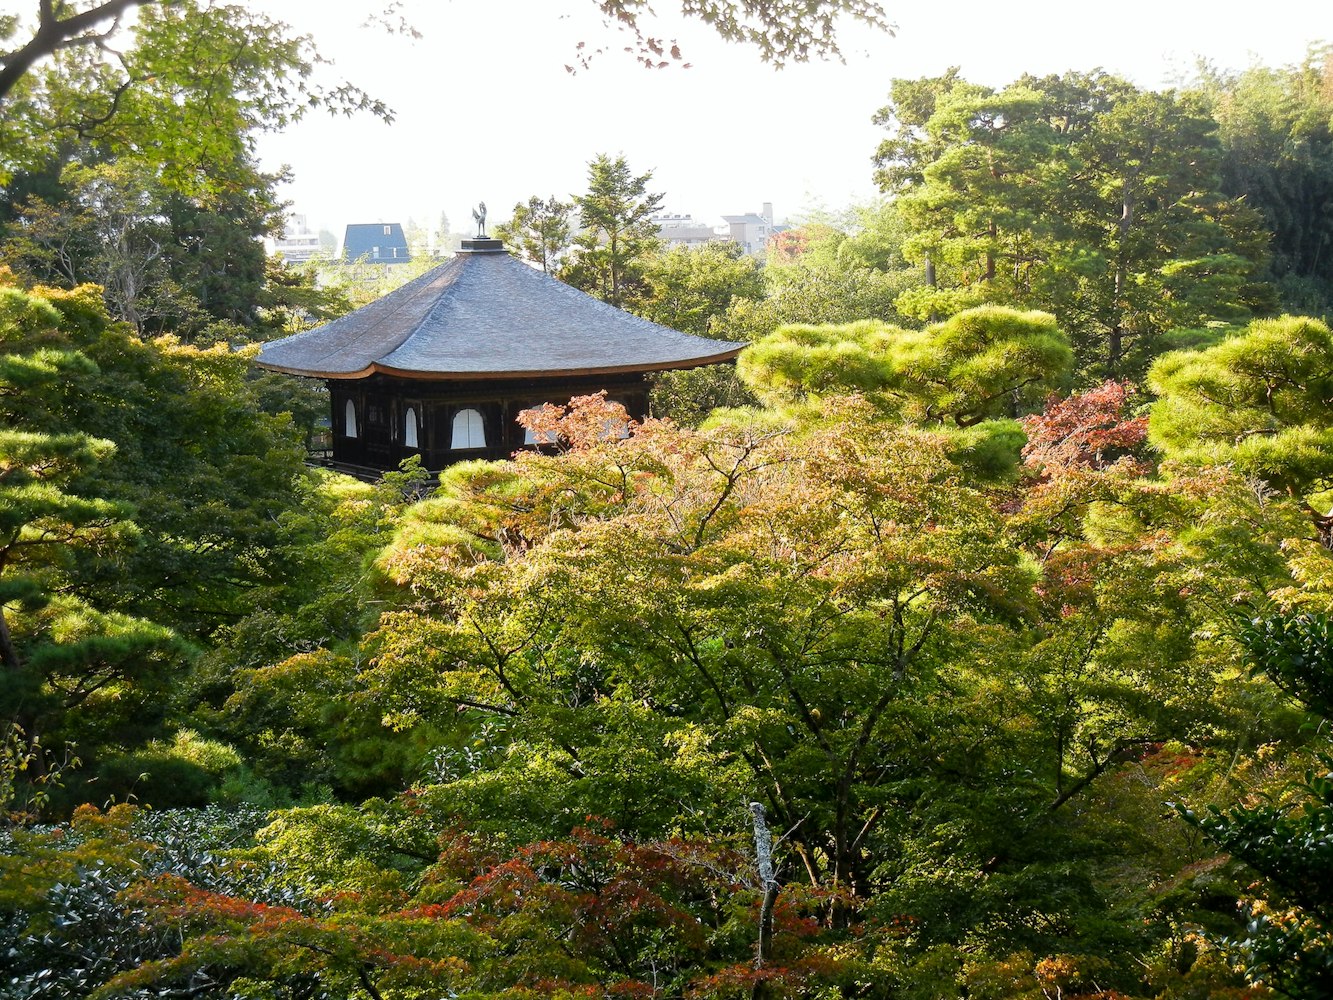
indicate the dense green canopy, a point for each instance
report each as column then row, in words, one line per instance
column 884, row 684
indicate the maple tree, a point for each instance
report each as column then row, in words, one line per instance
column 580, row 916
column 783, row 31
column 1288, row 940
column 637, row 616
column 1085, row 430
column 64, row 925
column 641, row 627
column 184, row 90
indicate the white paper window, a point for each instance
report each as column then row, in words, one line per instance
column 349, row 419
column 410, row 428
column 468, row 430
column 537, row 437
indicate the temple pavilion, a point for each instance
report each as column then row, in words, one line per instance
column 443, row 366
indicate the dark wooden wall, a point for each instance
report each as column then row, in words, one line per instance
column 382, row 403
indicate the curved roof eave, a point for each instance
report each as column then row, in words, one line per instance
column 473, row 376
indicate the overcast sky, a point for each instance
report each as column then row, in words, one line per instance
column 486, row 110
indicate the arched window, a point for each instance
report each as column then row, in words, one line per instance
column 468, row 430
column 410, row 428
column 349, row 419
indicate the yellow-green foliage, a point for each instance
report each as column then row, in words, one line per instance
column 22, row 314
column 988, row 450
column 333, row 848
column 748, row 419
column 1261, row 401
column 797, row 360
column 982, row 363
column 188, row 745
column 455, row 521
column 38, row 861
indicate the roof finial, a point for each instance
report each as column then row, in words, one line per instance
column 479, row 213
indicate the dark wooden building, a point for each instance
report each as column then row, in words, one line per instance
column 443, row 366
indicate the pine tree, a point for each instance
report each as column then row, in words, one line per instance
column 617, row 232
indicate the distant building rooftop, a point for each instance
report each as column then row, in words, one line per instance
column 377, row 242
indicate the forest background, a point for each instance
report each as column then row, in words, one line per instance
column 969, row 639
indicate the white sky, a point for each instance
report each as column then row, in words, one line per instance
column 486, row 110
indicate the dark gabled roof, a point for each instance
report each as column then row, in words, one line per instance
column 369, row 239
column 484, row 314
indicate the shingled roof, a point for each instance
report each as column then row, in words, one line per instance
column 484, row 314
column 377, row 242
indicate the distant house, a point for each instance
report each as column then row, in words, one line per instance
column 752, row 231
column 376, row 242
column 298, row 244
column 683, row 231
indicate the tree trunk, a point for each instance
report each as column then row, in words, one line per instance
column 763, row 849
column 9, row 654
column 990, row 254
column 1116, row 339
column 24, row 719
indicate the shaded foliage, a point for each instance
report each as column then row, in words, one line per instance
column 1288, row 939
column 1276, row 130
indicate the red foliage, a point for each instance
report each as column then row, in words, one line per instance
column 631, row 988
column 1088, row 430
column 1164, row 763
column 590, row 914
column 789, row 245
column 1071, row 576
column 787, row 980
